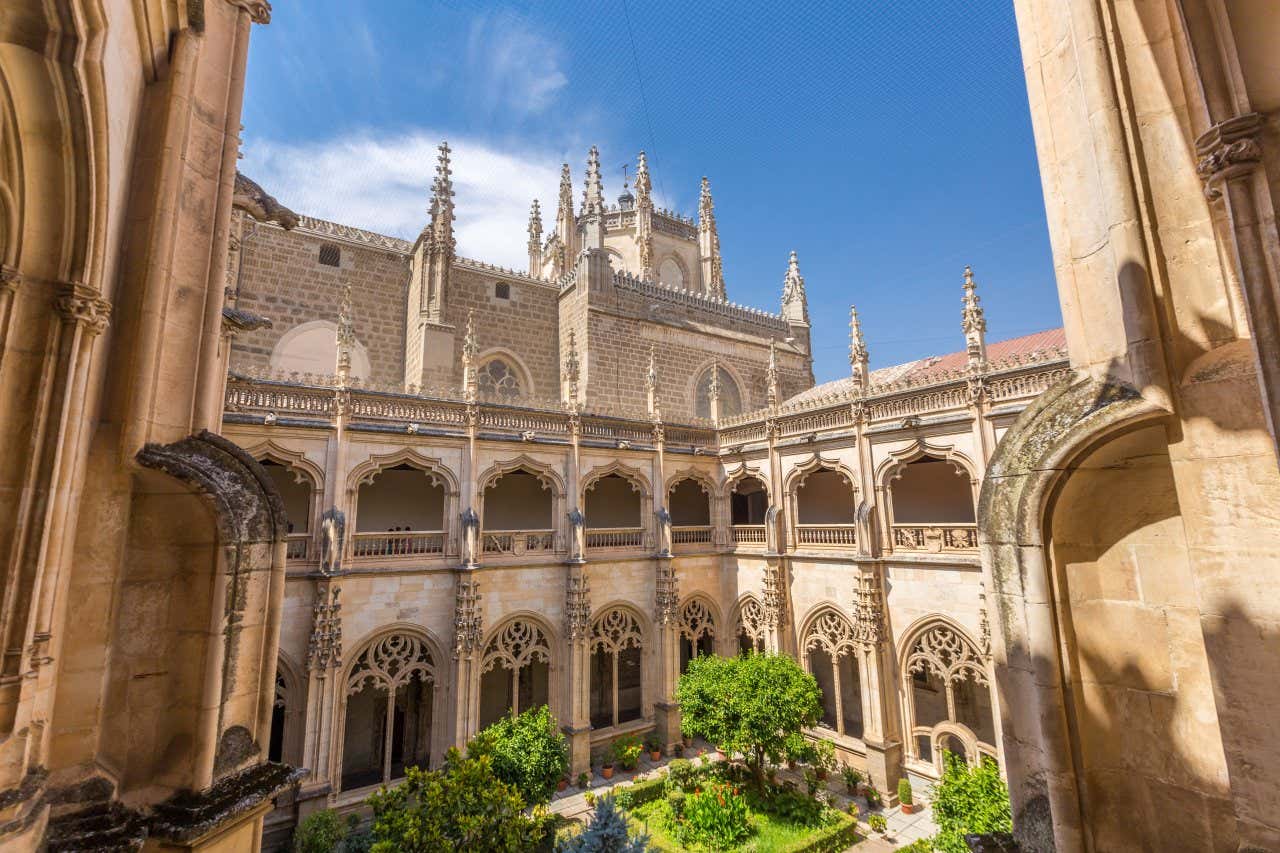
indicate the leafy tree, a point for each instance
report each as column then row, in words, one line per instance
column 756, row 705
column 607, row 833
column 527, row 751
column 463, row 806
column 319, row 832
column 969, row 800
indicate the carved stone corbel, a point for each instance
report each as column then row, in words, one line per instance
column 81, row 305
column 1226, row 150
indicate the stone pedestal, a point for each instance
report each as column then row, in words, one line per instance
column 884, row 768
column 579, row 740
column 666, row 720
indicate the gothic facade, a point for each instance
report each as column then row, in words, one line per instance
column 558, row 486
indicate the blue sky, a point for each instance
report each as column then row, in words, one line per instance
column 889, row 144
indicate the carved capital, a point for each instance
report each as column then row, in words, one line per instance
column 259, row 10
column 81, row 304
column 1227, row 150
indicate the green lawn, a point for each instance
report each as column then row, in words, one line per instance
column 771, row 836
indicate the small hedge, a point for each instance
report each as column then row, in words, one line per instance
column 839, row 836
column 639, row 793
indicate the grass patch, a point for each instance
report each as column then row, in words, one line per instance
column 772, row 834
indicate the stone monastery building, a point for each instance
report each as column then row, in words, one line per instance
column 557, row 486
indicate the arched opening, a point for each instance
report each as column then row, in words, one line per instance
column 689, row 502
column 729, row 395
column 616, row 669
column 296, row 490
column 400, row 512
column 829, row 653
column 697, row 632
column 614, row 518
column 748, row 503
column 499, row 381
column 516, row 671
column 312, row 348
column 932, row 504
column 750, row 627
column 275, row 744
column 825, row 509
column 518, row 514
column 945, row 683
column 389, row 708
column 670, row 274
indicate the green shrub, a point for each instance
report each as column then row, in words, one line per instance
column 682, row 774
column 824, row 755
column 873, row 797
column 792, row 807
column 675, row 800
column 920, row 845
column 904, row 790
column 851, row 777
column 626, row 751
column 652, row 742
column 527, row 751
column 878, row 823
column 645, row 791
column 715, row 815
column 584, row 780
column 462, row 806
column 319, row 832
column 840, row 835
column 969, row 800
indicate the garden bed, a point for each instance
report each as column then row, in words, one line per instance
column 771, row 833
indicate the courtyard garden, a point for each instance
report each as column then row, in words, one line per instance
column 768, row 789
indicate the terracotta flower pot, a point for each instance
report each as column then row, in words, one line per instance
column 822, row 774
column 908, row 808
column 655, row 755
column 607, row 771
column 562, row 784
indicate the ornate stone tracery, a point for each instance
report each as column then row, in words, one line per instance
column 517, row 645
column 324, row 648
column 868, row 610
column 696, row 620
column 831, row 633
column 751, row 623
column 614, row 631
column 392, row 661
column 946, row 653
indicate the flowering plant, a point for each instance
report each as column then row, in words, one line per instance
column 715, row 815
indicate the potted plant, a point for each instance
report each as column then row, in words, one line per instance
column 878, row 824
column 563, row 783
column 811, row 780
column 687, row 740
column 626, row 752
column 584, row 780
column 678, row 750
column 905, row 796
column 590, row 797
column 824, row 758
column 606, row 769
column 852, row 778
column 653, row 743
column 873, row 797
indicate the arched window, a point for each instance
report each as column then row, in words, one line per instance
column 670, row 274
column 689, row 503
column 295, row 490
column 749, row 501
column 829, row 645
column 612, row 502
column 516, row 670
column 275, row 746
column 616, row 664
column 750, row 627
column 312, row 347
column 825, row 512
column 498, row 380
column 730, row 396
column 697, row 632
column 400, row 512
column 517, row 513
column 947, row 693
column 933, row 507
column 389, row 695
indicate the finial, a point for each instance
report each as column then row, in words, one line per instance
column 346, row 335
column 709, row 243
column 644, row 186
column 440, row 225
column 593, row 194
column 771, row 374
column 651, row 386
column 973, row 321
column 795, row 305
column 858, row 355
column 535, row 218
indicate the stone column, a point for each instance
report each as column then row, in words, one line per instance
column 666, row 607
column 876, row 673
column 576, row 719
column 467, row 629
column 324, row 693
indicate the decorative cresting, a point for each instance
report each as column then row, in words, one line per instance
column 696, row 621
column 946, row 653
column 517, row 645
column 324, row 648
column 868, row 610
column 831, row 632
column 614, row 631
column 751, row 623
column 392, row 662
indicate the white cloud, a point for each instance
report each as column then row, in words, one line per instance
column 511, row 68
column 383, row 184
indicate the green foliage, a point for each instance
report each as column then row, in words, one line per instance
column 839, row 835
column 851, row 777
column 877, row 823
column 319, row 832
column 824, row 755
column 675, row 799
column 920, row 845
column 682, row 774
column 607, row 833
column 904, row 790
column 791, row 807
column 642, row 792
column 584, row 779
column 811, row 781
column 626, row 751
column 527, row 751
column 652, row 742
column 969, row 800
column 873, row 796
column 756, row 705
column 463, row 806
column 715, row 815
column 590, row 798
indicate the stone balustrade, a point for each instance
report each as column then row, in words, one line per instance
column 826, row 535
column 748, row 534
column 694, row 534
column 397, row 543
column 517, row 542
column 935, row 538
column 615, row 537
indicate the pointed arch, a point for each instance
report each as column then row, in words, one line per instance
column 703, row 478
column 524, row 376
column 749, row 625
column 546, row 474
column 435, row 469
column 744, row 471
column 639, row 482
column 829, row 648
column 891, row 468
column 294, row 459
column 738, row 387
column 516, row 672
column 795, row 477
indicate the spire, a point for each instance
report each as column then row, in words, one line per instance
column 440, row 228
column 858, row 356
column 572, row 368
column 535, row 239
column 593, row 195
column 345, row 337
column 709, row 244
column 470, row 350
column 644, row 218
column 566, row 229
column 973, row 323
column 651, row 386
column 771, row 374
column 795, row 305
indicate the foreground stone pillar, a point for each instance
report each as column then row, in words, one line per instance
column 666, row 710
column 876, row 674
column 577, row 725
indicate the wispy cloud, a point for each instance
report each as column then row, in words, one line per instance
column 383, row 184
column 512, row 68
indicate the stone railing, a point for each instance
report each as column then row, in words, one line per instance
column 691, row 534
column 615, row 537
column 936, row 538
column 297, row 546
column 518, row 541
column 701, row 302
column 826, row 535
column 397, row 543
column 748, row 534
